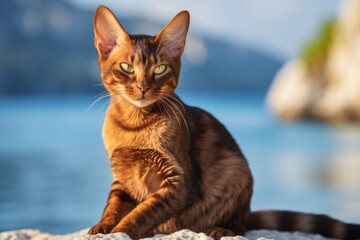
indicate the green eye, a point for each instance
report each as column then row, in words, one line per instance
column 126, row 67
column 159, row 69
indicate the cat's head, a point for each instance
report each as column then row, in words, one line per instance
column 139, row 68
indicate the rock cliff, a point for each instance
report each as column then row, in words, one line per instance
column 332, row 92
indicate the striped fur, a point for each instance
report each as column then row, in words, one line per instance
column 174, row 166
column 303, row 222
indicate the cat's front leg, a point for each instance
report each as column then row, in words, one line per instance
column 170, row 198
column 150, row 213
column 119, row 204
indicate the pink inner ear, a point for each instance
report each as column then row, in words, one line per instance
column 176, row 48
column 107, row 47
column 108, row 32
column 173, row 35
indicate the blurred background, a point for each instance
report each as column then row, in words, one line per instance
column 282, row 76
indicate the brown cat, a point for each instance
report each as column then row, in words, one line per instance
column 174, row 166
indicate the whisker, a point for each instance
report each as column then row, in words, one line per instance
column 100, row 94
column 180, row 112
column 175, row 99
column 176, row 107
column 166, row 101
column 117, row 97
column 97, row 85
column 165, row 108
column 102, row 107
column 97, row 100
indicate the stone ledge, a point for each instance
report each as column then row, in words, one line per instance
column 31, row 234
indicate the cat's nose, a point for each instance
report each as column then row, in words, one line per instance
column 144, row 87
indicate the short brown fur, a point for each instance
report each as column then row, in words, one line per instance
column 174, row 166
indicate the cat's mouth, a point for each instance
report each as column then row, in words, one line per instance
column 141, row 101
column 141, row 98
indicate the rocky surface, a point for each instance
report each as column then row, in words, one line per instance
column 333, row 94
column 27, row 234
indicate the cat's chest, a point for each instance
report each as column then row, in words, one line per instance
column 149, row 137
column 140, row 171
column 137, row 175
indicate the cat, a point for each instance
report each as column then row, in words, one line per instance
column 174, row 166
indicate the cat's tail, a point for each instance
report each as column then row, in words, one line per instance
column 302, row 222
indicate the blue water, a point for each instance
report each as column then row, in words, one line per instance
column 55, row 176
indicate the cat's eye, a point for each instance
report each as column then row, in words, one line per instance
column 159, row 69
column 126, row 67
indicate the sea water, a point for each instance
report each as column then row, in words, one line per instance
column 55, row 176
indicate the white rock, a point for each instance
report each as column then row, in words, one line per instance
column 291, row 92
column 333, row 96
column 28, row 234
column 341, row 99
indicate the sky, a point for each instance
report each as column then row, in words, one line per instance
column 279, row 27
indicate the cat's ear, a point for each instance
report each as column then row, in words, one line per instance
column 108, row 32
column 173, row 36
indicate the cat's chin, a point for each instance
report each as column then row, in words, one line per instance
column 141, row 103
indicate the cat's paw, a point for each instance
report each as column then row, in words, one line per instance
column 104, row 228
column 120, row 228
column 217, row 232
